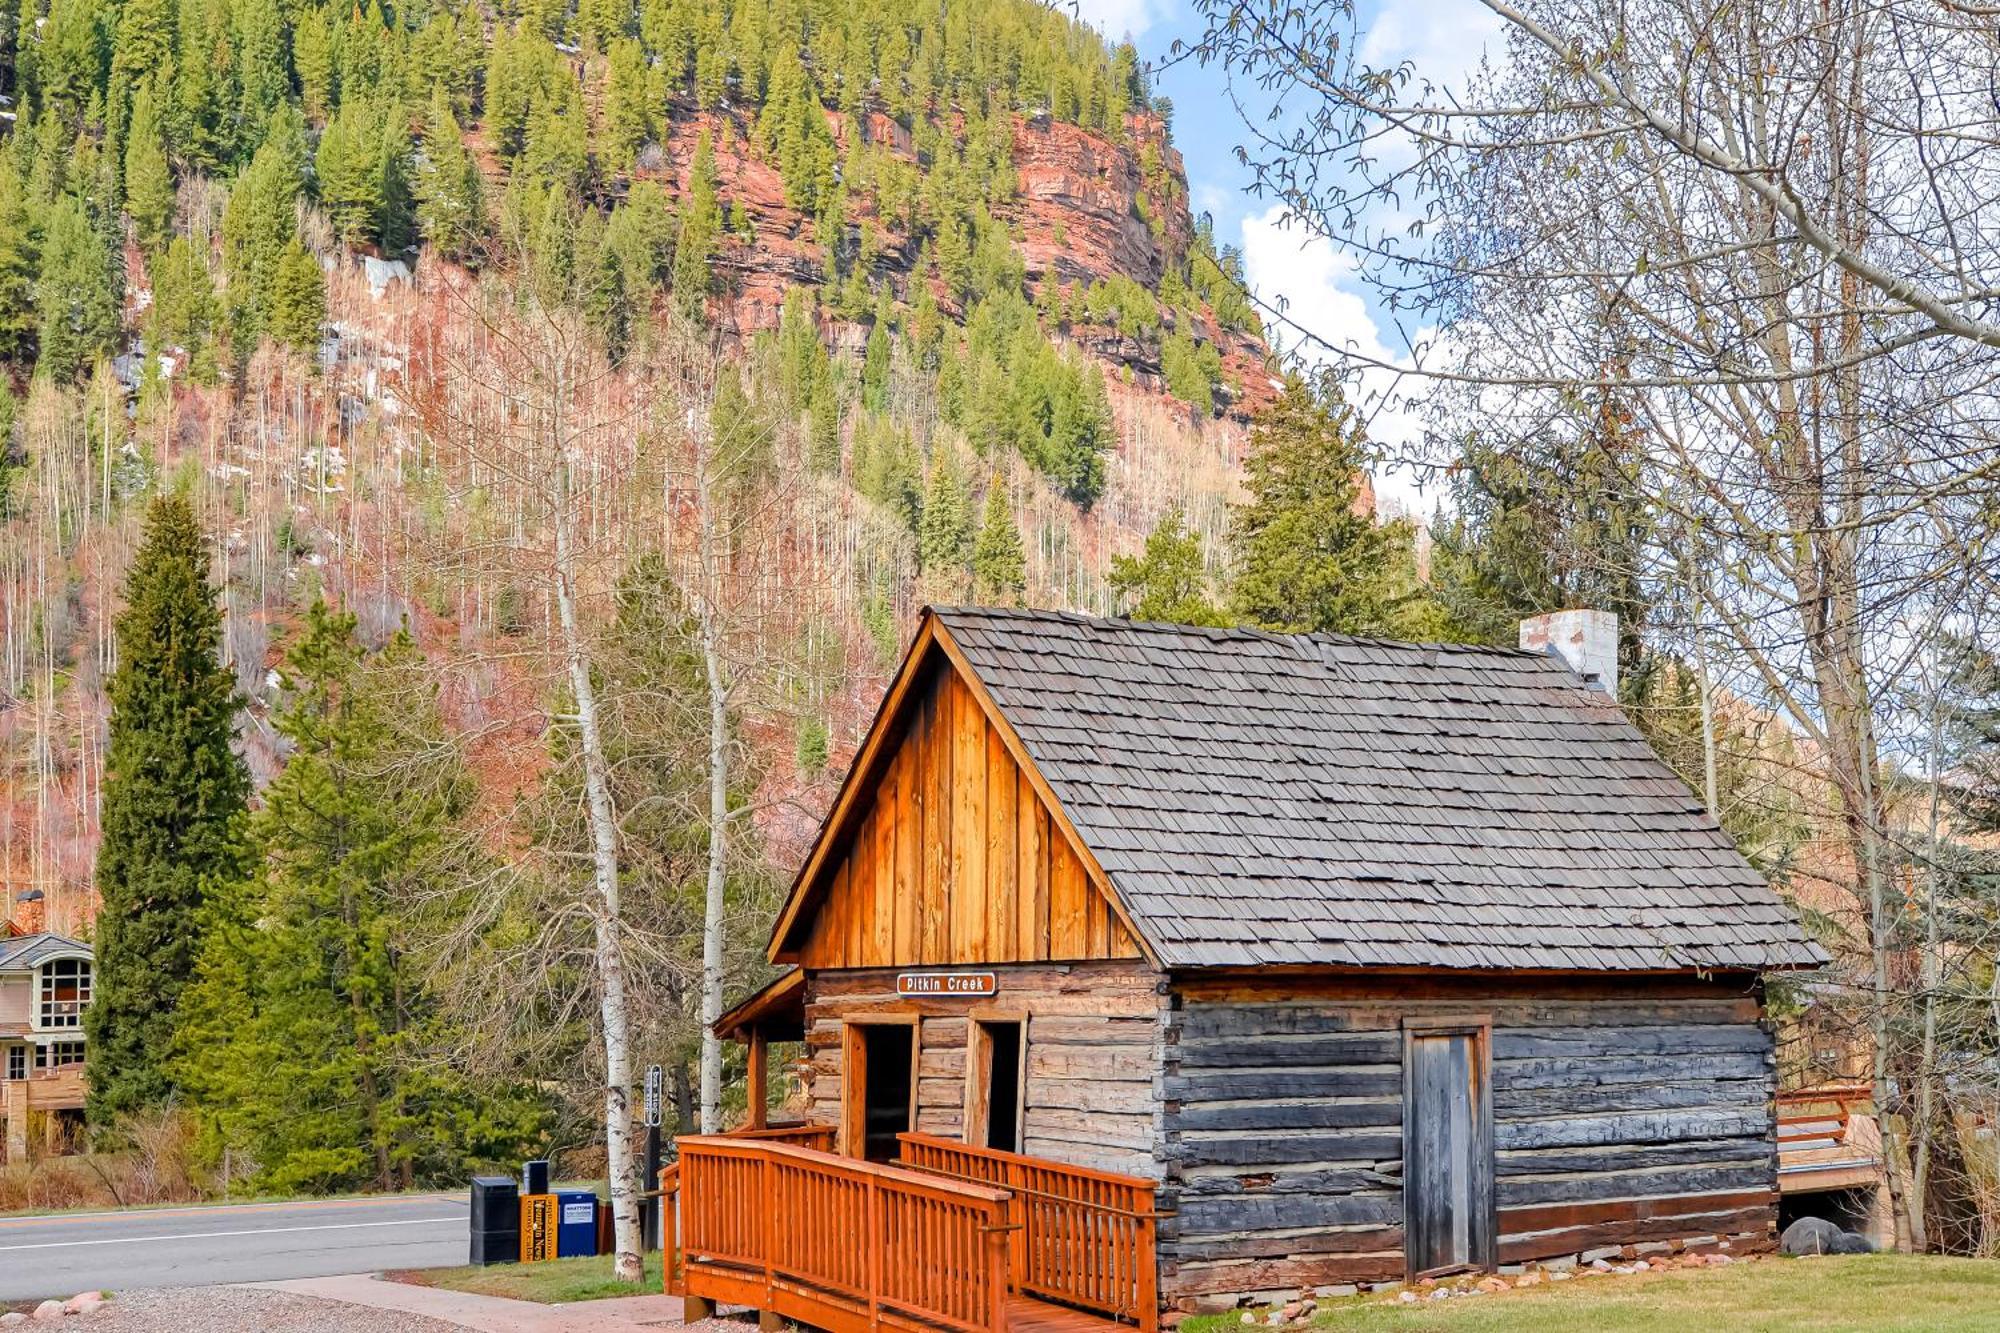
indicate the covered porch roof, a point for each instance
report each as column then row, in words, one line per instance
column 777, row 1012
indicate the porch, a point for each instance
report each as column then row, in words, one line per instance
column 948, row 1237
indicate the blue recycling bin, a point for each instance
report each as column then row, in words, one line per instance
column 576, row 1223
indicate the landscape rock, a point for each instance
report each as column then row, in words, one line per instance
column 48, row 1312
column 12, row 1319
column 1809, row 1235
column 84, row 1302
column 1852, row 1242
column 1561, row 1275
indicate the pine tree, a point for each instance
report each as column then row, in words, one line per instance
column 149, row 183
column 447, row 187
column 298, row 299
column 701, row 227
column 999, row 566
column 184, row 313
column 301, row 1039
column 1168, row 581
column 349, row 167
column 1309, row 554
column 17, row 260
column 173, row 805
column 875, row 361
column 76, row 294
column 944, row 528
column 629, row 101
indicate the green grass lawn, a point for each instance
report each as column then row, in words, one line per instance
column 557, row 1282
column 1829, row 1295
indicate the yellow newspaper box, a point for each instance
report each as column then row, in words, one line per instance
column 538, row 1227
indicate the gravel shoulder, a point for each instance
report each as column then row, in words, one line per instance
column 240, row 1310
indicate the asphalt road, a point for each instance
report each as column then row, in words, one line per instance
column 64, row 1253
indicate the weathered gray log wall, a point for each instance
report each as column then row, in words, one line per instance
column 1626, row 1112
column 1093, row 1042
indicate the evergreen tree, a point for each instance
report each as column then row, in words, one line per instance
column 629, row 101
column 944, row 528
column 1168, row 581
column 999, row 565
column 447, row 186
column 149, row 183
column 184, row 313
column 76, row 294
column 301, row 1040
column 875, row 361
column 350, row 183
column 173, row 804
column 17, row 259
column 701, row 228
column 259, row 223
column 298, row 299
column 1309, row 554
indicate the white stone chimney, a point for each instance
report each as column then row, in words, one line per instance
column 1586, row 640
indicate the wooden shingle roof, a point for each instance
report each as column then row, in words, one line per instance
column 1320, row 800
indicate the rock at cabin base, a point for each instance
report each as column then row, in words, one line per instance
column 1809, row 1235
column 1852, row 1242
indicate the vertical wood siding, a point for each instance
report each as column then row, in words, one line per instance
column 954, row 858
column 1093, row 1051
column 1625, row 1111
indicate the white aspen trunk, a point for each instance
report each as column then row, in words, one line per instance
column 620, row 1166
column 1932, row 969
column 718, row 785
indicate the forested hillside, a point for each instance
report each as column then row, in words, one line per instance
column 950, row 243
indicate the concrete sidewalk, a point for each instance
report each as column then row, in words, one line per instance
column 493, row 1314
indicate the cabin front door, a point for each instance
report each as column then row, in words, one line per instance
column 1448, row 1221
column 879, row 1088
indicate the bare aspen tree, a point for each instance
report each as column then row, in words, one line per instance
column 1765, row 225
column 518, row 397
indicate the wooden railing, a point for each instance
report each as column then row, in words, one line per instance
column 837, row 1242
column 1811, row 1118
column 1082, row 1237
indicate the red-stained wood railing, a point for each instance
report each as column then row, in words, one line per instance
column 836, row 1242
column 798, row 1134
column 1082, row 1237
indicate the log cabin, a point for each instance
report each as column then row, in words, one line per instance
column 1203, row 966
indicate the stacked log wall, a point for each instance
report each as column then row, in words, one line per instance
column 1093, row 1034
column 1627, row 1113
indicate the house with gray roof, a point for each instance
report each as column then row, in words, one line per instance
column 45, row 983
column 1371, row 960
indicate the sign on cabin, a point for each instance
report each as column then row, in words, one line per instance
column 945, row 983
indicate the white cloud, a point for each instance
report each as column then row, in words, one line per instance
column 1119, row 19
column 1443, row 39
column 1322, row 295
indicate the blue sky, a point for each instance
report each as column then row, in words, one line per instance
column 1444, row 38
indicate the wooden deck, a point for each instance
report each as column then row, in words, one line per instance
column 1827, row 1140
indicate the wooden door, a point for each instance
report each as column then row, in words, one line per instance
column 1447, row 1149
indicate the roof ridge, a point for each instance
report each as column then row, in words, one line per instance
column 1222, row 632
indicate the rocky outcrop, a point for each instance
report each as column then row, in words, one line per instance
column 1087, row 208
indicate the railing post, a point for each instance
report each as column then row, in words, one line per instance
column 1148, row 1260
column 998, row 1279
column 871, row 1237
column 767, row 1191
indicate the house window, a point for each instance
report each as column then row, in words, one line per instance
column 59, row 1055
column 65, row 991
column 17, row 1062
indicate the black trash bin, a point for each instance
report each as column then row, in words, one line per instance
column 496, row 1220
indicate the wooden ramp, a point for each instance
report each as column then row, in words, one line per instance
column 1027, row 1315
column 967, row 1240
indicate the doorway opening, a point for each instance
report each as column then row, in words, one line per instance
column 995, row 1068
column 885, row 1074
